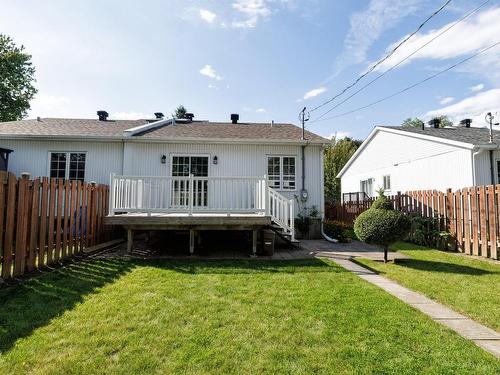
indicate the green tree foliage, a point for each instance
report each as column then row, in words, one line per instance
column 444, row 121
column 412, row 123
column 180, row 112
column 381, row 225
column 337, row 153
column 16, row 80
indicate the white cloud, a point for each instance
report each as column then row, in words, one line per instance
column 477, row 88
column 260, row 110
column 210, row 86
column 314, row 92
column 252, row 11
column 463, row 39
column 474, row 107
column 207, row 16
column 210, row 72
column 368, row 25
column 446, row 100
column 130, row 115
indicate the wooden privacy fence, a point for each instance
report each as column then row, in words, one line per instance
column 470, row 215
column 44, row 221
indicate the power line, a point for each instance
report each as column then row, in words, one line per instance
column 405, row 59
column 411, row 86
column 385, row 58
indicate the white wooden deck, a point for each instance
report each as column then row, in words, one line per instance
column 198, row 203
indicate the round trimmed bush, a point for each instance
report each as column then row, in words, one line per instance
column 382, row 227
column 382, row 202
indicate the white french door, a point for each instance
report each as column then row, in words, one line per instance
column 184, row 166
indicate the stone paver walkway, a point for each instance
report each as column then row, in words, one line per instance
column 482, row 336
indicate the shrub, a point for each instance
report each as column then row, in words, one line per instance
column 337, row 230
column 425, row 231
column 382, row 227
column 382, row 202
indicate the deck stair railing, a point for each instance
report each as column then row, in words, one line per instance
column 200, row 195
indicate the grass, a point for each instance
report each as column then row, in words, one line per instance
column 133, row 317
column 468, row 285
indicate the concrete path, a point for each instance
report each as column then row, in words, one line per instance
column 482, row 336
column 354, row 249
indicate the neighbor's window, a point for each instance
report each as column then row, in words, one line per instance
column 281, row 172
column 67, row 165
column 367, row 187
column 387, row 182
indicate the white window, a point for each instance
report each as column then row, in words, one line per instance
column 367, row 187
column 387, row 182
column 281, row 172
column 67, row 165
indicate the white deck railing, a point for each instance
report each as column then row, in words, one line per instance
column 193, row 195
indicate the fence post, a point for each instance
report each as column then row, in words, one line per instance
column 267, row 200
column 112, row 195
column 450, row 217
column 398, row 201
column 191, row 197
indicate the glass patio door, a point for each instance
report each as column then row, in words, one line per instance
column 183, row 166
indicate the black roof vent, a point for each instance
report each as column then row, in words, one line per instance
column 189, row 116
column 466, row 122
column 435, row 123
column 159, row 115
column 234, row 118
column 103, row 115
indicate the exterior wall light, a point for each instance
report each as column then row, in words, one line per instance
column 163, row 159
column 216, row 160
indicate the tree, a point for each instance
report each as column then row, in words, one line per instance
column 180, row 112
column 412, row 123
column 444, row 121
column 16, row 80
column 381, row 224
column 336, row 155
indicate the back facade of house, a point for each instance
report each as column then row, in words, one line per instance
column 92, row 150
column 398, row 159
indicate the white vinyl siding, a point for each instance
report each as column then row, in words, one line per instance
column 412, row 163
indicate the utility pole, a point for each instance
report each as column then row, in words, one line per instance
column 303, row 117
column 489, row 119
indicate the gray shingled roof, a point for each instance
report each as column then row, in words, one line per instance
column 197, row 130
column 473, row 135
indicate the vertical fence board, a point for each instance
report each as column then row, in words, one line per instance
column 460, row 224
column 9, row 227
column 66, row 232
column 77, row 230
column 43, row 223
column 474, row 221
column 59, row 217
column 21, row 227
column 72, row 218
column 492, row 220
column 33, row 228
column 483, row 219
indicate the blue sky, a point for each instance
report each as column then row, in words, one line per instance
column 263, row 59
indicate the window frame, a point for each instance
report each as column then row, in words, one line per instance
column 371, row 180
column 281, row 170
column 384, row 177
column 188, row 155
column 68, row 163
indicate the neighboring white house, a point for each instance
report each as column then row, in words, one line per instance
column 92, row 149
column 403, row 159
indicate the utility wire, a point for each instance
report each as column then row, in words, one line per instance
column 405, row 59
column 411, row 86
column 383, row 59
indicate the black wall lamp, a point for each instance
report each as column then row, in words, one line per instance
column 163, row 159
column 216, row 160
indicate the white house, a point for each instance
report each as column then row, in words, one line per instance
column 234, row 168
column 404, row 159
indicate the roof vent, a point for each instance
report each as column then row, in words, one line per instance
column 466, row 122
column 103, row 115
column 234, row 118
column 159, row 115
column 189, row 116
column 435, row 123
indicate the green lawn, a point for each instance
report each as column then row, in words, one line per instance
column 468, row 285
column 134, row 317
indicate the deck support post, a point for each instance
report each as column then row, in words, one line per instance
column 191, row 241
column 130, row 240
column 254, row 242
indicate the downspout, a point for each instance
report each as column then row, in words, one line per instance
column 474, row 154
column 303, row 168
